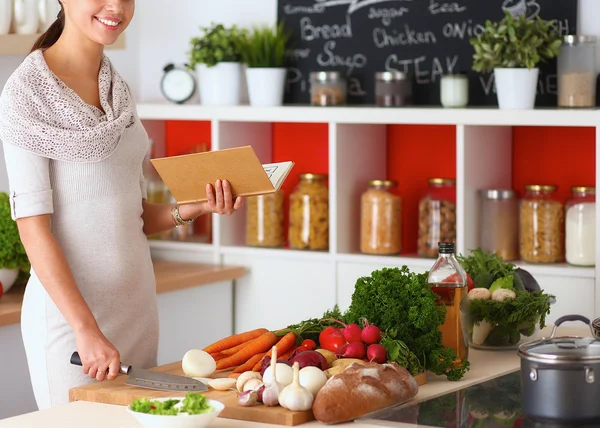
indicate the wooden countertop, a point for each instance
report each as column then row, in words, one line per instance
column 170, row 276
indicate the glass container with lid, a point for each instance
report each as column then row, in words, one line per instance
column 577, row 72
column 580, row 230
column 393, row 89
column 380, row 219
column 437, row 216
column 309, row 213
column 454, row 90
column 264, row 220
column 327, row 88
column 499, row 223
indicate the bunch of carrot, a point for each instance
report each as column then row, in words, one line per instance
column 245, row 351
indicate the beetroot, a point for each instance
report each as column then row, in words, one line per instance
column 353, row 350
column 310, row 358
column 376, row 353
column 370, row 334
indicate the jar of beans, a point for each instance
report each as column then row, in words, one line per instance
column 541, row 225
column 437, row 216
column 309, row 213
column 380, row 219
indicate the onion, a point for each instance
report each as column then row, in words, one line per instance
column 197, row 363
column 313, row 379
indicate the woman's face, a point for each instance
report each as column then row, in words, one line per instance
column 100, row 20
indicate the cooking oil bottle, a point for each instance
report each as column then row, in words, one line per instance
column 448, row 280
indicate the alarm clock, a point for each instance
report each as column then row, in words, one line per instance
column 178, row 84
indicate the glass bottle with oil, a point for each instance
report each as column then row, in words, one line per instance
column 448, row 280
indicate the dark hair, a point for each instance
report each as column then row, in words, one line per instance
column 52, row 34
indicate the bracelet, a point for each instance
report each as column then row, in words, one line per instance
column 177, row 220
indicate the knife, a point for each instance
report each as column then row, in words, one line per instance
column 153, row 380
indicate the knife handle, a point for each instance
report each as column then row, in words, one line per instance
column 76, row 361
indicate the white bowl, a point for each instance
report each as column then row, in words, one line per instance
column 182, row 420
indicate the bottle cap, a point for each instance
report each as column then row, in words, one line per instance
column 446, row 247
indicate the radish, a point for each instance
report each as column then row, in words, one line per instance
column 353, row 350
column 370, row 334
column 376, row 353
column 351, row 332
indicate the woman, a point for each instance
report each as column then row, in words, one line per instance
column 74, row 149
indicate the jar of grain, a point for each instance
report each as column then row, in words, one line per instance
column 576, row 70
column 264, row 220
column 437, row 216
column 327, row 88
column 580, row 240
column 541, row 225
column 380, row 219
column 393, row 89
column 309, row 213
column 499, row 223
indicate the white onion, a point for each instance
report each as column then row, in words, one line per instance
column 313, row 379
column 285, row 374
column 197, row 363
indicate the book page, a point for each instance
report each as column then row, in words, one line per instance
column 278, row 172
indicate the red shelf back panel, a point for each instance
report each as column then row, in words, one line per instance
column 415, row 154
column 562, row 156
column 182, row 136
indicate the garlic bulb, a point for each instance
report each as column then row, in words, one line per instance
column 270, row 396
column 295, row 397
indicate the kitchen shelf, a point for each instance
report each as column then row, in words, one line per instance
column 20, row 44
column 275, row 252
column 157, row 244
column 387, row 261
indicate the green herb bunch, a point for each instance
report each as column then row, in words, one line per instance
column 216, row 44
column 485, row 267
column 12, row 253
column 264, row 47
column 515, row 43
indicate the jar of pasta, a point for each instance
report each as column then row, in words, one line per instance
column 541, row 225
column 437, row 216
column 264, row 220
column 309, row 213
column 580, row 239
column 380, row 219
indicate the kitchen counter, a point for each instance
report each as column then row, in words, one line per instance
column 170, row 276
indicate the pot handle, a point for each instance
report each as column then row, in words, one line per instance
column 571, row 317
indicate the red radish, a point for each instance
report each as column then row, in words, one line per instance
column 370, row 334
column 353, row 350
column 376, row 353
column 351, row 332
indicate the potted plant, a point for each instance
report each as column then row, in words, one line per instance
column 512, row 49
column 13, row 258
column 216, row 59
column 263, row 52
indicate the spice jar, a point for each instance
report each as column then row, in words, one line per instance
column 392, row 89
column 499, row 223
column 309, row 213
column 580, row 240
column 380, row 219
column 437, row 216
column 576, row 70
column 541, row 225
column 264, row 220
column 327, row 88
column 454, row 90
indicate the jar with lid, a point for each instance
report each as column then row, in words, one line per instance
column 580, row 239
column 264, row 220
column 541, row 225
column 380, row 219
column 309, row 213
column 327, row 88
column 454, row 90
column 437, row 216
column 499, row 223
column 576, row 70
column 393, row 89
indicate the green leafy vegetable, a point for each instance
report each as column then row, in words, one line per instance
column 192, row 404
column 485, row 267
column 195, row 403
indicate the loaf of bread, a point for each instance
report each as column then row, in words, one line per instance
column 362, row 389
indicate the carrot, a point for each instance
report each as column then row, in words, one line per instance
column 249, row 364
column 218, row 356
column 234, row 340
column 286, row 343
column 233, row 350
column 263, row 344
column 288, row 353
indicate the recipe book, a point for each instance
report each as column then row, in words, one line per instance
column 186, row 176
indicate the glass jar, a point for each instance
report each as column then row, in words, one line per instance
column 580, row 240
column 393, row 89
column 437, row 216
column 541, row 225
column 576, row 70
column 454, row 90
column 499, row 223
column 380, row 219
column 309, row 213
column 327, row 88
column 264, row 220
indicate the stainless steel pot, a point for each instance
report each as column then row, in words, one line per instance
column 560, row 376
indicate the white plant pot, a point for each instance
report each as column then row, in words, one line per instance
column 8, row 278
column 27, row 17
column 266, row 86
column 516, row 87
column 5, row 16
column 221, row 84
column 48, row 11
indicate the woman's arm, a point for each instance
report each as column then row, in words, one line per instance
column 158, row 218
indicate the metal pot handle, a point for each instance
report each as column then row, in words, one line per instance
column 572, row 317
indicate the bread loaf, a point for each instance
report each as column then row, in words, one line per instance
column 363, row 389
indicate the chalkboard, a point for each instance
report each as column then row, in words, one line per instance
column 427, row 38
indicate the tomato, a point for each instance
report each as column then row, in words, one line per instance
column 331, row 339
column 455, row 278
column 309, row 344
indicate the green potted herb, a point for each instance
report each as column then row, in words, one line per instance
column 512, row 49
column 13, row 258
column 263, row 52
column 216, row 58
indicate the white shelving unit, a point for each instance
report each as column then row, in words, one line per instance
column 286, row 286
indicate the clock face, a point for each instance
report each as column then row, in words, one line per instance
column 178, row 85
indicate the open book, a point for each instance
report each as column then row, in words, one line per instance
column 186, row 176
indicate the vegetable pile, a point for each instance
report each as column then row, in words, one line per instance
column 193, row 404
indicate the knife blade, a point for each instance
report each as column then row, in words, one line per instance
column 144, row 378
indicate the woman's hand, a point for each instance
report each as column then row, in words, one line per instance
column 221, row 201
column 98, row 355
